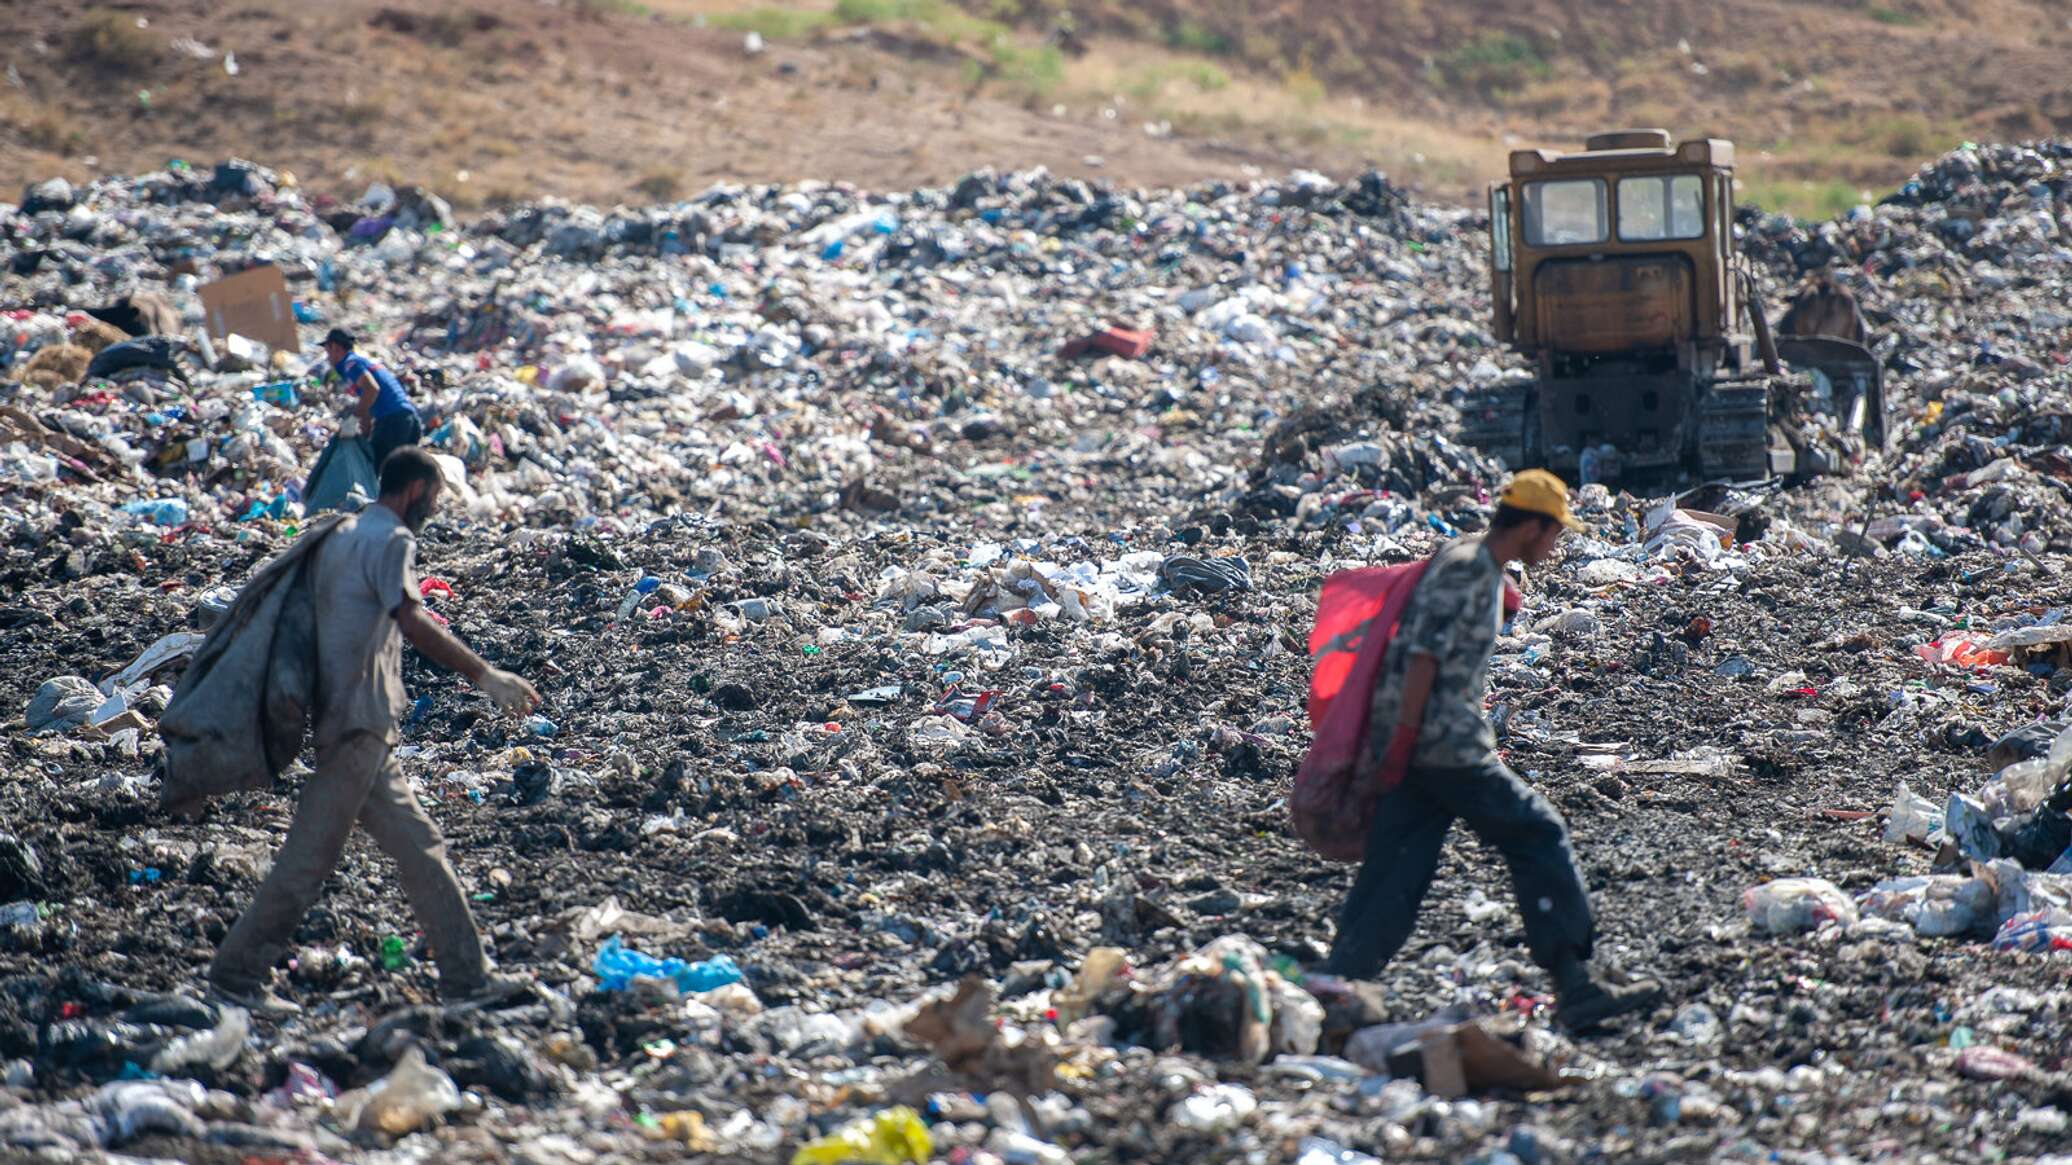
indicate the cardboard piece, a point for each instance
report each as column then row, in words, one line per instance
column 1459, row 1059
column 253, row 304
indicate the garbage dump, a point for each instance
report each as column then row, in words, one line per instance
column 917, row 584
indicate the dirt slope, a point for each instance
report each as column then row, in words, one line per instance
column 611, row 100
column 601, row 104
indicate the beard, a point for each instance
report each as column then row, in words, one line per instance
column 418, row 513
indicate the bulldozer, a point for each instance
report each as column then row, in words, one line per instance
column 1614, row 271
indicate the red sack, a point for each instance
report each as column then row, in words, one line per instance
column 1357, row 615
column 1358, row 612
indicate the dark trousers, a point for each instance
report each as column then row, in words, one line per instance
column 394, row 431
column 1410, row 826
column 357, row 781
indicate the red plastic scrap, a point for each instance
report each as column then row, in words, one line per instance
column 428, row 587
column 1128, row 343
column 1961, row 651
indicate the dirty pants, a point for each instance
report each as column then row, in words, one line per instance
column 394, row 431
column 356, row 780
column 1410, row 827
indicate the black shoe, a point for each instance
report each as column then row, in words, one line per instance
column 256, row 998
column 1590, row 1003
column 488, row 993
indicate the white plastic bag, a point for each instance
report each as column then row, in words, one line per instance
column 1791, row 905
column 1913, row 817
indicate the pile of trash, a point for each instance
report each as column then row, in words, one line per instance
column 916, row 581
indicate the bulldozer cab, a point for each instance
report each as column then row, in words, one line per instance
column 1613, row 270
column 1622, row 251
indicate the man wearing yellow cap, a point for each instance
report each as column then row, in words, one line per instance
column 1426, row 728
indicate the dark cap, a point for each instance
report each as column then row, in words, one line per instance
column 340, row 337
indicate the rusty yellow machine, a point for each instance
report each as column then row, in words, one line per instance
column 1615, row 271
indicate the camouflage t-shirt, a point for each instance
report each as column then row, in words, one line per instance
column 1453, row 616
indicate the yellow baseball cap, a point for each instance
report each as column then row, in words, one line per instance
column 1538, row 492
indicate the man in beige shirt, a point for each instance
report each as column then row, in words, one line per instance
column 367, row 603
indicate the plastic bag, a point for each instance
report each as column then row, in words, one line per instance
column 1913, row 817
column 343, row 478
column 159, row 511
column 616, row 966
column 1935, row 905
column 2038, row 930
column 1298, row 1019
column 895, row 1136
column 2019, row 787
column 1970, row 827
column 1791, row 905
column 410, row 1097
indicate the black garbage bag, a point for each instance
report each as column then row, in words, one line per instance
column 159, row 352
column 1184, row 572
column 140, row 313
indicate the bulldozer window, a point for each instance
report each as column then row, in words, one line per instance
column 1560, row 213
column 1661, row 206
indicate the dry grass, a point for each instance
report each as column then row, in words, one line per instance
column 1201, row 98
column 583, row 97
column 112, row 41
column 44, row 127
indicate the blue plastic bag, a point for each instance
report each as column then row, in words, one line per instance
column 616, row 966
column 159, row 512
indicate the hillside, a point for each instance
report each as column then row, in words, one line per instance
column 623, row 100
column 1832, row 91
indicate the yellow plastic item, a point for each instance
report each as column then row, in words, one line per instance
column 686, row 1128
column 895, row 1136
column 528, row 374
column 1932, row 413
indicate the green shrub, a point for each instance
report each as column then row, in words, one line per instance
column 773, row 23
column 1196, row 37
column 1493, row 64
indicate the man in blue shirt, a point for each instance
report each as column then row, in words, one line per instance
column 385, row 414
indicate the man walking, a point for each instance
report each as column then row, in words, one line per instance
column 1426, row 724
column 380, row 407
column 366, row 602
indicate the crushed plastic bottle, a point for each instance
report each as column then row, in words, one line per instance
column 393, row 955
column 217, row 1047
column 1215, row 1109
column 616, row 965
column 1318, row 1151
column 895, row 1136
column 1698, row 1024
column 1014, row 1147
